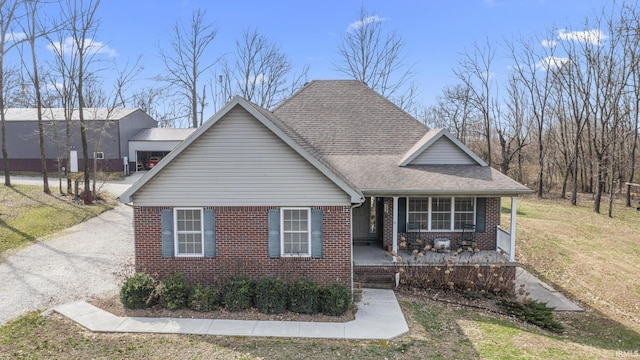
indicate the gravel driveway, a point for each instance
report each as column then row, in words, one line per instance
column 85, row 261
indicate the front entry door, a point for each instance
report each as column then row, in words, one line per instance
column 365, row 220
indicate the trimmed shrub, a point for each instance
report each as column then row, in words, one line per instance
column 174, row 292
column 237, row 293
column 270, row 296
column 304, row 297
column 138, row 291
column 203, row 298
column 534, row 312
column 335, row 299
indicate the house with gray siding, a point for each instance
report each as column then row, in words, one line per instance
column 108, row 134
column 334, row 183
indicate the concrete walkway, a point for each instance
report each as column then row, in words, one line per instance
column 543, row 292
column 378, row 317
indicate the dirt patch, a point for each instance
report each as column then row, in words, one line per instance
column 114, row 306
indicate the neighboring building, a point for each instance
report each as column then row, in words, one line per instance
column 288, row 193
column 154, row 142
column 108, row 134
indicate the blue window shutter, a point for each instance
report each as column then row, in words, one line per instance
column 481, row 215
column 167, row 233
column 316, row 233
column 274, row 233
column 209, row 233
column 402, row 214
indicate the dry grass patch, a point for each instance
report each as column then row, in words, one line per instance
column 592, row 257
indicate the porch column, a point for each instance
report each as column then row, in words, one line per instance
column 512, row 227
column 395, row 224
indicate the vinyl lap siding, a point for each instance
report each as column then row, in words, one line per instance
column 240, row 162
column 443, row 152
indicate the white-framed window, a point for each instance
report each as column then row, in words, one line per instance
column 188, row 231
column 418, row 217
column 464, row 212
column 440, row 213
column 98, row 155
column 295, row 225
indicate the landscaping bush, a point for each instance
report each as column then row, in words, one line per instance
column 174, row 292
column 237, row 293
column 270, row 296
column 138, row 291
column 203, row 298
column 335, row 300
column 304, row 297
column 534, row 312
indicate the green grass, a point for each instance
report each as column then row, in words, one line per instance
column 27, row 214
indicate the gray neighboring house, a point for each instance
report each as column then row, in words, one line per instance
column 108, row 135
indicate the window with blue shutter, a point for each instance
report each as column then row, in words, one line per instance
column 295, row 232
column 167, row 233
column 209, row 237
column 316, row 233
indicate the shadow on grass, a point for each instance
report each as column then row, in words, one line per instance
column 40, row 201
column 28, row 237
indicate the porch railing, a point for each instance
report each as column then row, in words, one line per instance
column 504, row 240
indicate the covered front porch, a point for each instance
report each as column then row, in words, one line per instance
column 384, row 226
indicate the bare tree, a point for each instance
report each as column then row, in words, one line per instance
column 33, row 30
column 476, row 73
column 82, row 26
column 260, row 72
column 186, row 62
column 60, row 81
column 374, row 56
column 536, row 72
column 7, row 41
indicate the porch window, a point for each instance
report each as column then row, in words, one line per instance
column 296, row 237
column 188, row 232
column 440, row 213
column 418, row 218
column 464, row 212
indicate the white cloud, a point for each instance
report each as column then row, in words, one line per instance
column 92, row 47
column 593, row 36
column 552, row 62
column 258, row 79
column 549, row 43
column 15, row 36
column 363, row 22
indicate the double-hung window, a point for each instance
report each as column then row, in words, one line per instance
column 296, row 233
column 464, row 212
column 440, row 213
column 189, row 230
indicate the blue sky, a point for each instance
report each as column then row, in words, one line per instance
column 435, row 31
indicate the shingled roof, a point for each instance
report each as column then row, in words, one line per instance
column 345, row 117
column 366, row 138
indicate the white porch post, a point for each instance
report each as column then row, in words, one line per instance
column 395, row 224
column 512, row 227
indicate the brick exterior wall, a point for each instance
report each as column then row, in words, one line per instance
column 242, row 248
column 486, row 240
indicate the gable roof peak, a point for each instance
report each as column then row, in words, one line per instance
column 431, row 138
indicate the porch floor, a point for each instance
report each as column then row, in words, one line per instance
column 373, row 255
